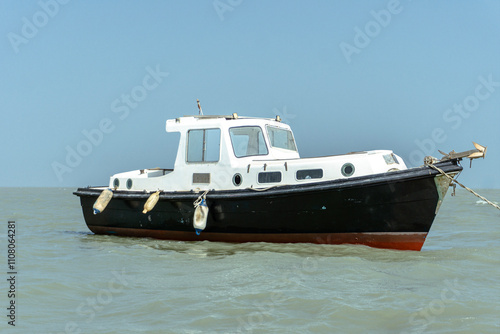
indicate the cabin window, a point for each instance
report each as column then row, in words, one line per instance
column 248, row 141
column 281, row 138
column 306, row 174
column 269, row 177
column 391, row 159
column 203, row 145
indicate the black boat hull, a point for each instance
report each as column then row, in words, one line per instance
column 391, row 210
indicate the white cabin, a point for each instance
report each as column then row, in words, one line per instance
column 232, row 152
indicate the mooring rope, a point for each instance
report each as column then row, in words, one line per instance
column 200, row 198
column 461, row 185
column 262, row 189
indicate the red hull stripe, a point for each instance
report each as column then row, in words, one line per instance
column 389, row 240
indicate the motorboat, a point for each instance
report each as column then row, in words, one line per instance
column 241, row 179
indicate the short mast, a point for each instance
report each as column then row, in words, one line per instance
column 199, row 107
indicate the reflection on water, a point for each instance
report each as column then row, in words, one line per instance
column 203, row 249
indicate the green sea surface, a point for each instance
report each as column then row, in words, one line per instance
column 70, row 281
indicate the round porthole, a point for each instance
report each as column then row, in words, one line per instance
column 129, row 183
column 116, row 183
column 348, row 169
column 237, row 179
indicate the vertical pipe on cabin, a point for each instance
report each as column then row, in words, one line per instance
column 204, row 148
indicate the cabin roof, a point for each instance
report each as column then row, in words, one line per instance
column 198, row 121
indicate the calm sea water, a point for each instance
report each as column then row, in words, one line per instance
column 71, row 281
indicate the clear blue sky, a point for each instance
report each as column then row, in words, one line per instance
column 411, row 76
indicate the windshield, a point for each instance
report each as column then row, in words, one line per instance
column 248, row 141
column 281, row 138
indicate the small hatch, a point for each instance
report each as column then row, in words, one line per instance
column 201, row 177
column 269, row 177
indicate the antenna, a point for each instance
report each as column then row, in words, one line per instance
column 199, row 107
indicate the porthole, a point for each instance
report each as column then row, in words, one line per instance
column 237, row 179
column 116, row 183
column 129, row 184
column 347, row 169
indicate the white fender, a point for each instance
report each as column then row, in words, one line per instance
column 200, row 217
column 151, row 202
column 102, row 201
